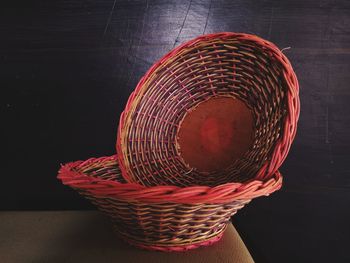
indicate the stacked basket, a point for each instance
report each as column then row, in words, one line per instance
column 204, row 132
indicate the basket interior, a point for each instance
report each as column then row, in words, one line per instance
column 244, row 70
column 106, row 169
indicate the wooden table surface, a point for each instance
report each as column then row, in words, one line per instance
column 80, row 236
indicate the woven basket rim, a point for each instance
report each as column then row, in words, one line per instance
column 282, row 146
column 221, row 194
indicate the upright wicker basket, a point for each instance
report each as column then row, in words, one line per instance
column 155, row 199
column 164, row 218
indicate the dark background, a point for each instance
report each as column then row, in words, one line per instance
column 68, row 67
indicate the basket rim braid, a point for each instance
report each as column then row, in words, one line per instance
column 268, row 165
column 221, row 194
column 160, row 218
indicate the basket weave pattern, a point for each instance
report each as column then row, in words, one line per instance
column 167, row 218
column 154, row 198
column 241, row 66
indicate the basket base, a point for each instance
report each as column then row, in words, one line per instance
column 174, row 248
column 214, row 133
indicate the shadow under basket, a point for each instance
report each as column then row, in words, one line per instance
column 164, row 218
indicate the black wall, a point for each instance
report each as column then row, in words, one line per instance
column 68, row 67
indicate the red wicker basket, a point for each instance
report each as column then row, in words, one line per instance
column 220, row 108
column 165, row 218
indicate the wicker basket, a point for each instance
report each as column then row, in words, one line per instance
column 244, row 71
column 154, row 194
column 165, row 218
